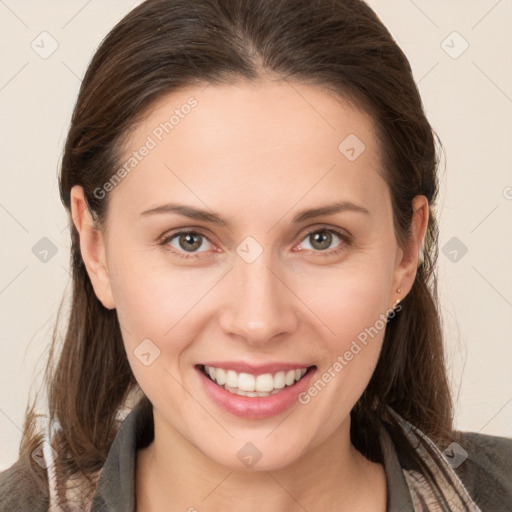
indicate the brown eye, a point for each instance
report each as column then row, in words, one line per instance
column 190, row 241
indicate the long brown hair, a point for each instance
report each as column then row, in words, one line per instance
column 164, row 45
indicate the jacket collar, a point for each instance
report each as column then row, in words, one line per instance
column 115, row 491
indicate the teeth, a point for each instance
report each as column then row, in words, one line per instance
column 279, row 380
column 290, row 377
column 264, row 382
column 220, row 376
column 231, row 377
column 240, row 392
column 245, row 384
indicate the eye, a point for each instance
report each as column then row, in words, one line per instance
column 321, row 239
column 185, row 242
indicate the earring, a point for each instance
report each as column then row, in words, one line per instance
column 398, row 300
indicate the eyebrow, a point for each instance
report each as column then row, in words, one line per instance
column 214, row 218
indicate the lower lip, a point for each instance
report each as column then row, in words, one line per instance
column 256, row 407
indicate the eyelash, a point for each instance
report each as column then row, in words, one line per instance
column 346, row 241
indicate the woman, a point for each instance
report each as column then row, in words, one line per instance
column 254, row 321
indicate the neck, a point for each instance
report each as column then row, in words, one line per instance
column 331, row 476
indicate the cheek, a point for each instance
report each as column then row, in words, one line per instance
column 159, row 303
column 153, row 297
column 352, row 308
column 349, row 299
column 156, row 308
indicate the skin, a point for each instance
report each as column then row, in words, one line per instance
column 256, row 154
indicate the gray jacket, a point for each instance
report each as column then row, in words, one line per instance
column 485, row 474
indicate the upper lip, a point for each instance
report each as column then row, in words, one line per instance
column 255, row 369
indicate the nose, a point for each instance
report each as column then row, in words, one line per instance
column 259, row 306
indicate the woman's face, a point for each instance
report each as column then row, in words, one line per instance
column 254, row 286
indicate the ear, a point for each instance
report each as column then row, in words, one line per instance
column 92, row 247
column 408, row 257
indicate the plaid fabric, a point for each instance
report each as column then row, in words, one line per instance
column 434, row 487
column 437, row 488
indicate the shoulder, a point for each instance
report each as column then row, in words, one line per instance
column 484, row 465
column 20, row 491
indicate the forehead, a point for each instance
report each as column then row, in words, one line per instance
column 258, row 143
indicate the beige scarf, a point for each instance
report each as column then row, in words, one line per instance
column 442, row 490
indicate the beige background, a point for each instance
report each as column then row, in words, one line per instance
column 468, row 99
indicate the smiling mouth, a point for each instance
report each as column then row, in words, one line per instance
column 246, row 384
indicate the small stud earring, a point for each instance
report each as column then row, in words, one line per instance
column 398, row 300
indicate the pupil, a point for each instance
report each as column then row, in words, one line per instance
column 323, row 238
column 187, row 239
